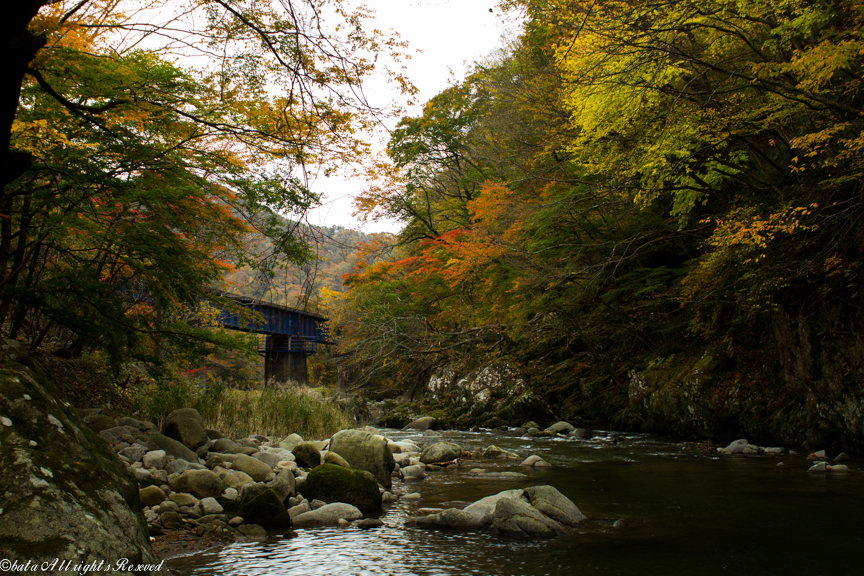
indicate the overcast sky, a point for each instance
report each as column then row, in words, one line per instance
column 451, row 35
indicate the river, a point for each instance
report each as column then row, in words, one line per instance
column 685, row 514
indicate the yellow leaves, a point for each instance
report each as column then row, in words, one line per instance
column 754, row 234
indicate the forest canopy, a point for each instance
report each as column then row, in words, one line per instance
column 142, row 140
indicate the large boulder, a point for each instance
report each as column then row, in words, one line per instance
column 258, row 470
column 171, row 447
column 539, row 511
column 328, row 515
column 65, row 494
column 365, row 451
column 186, row 426
column 284, row 484
column 201, row 483
column 549, row 501
column 332, row 483
column 517, row 518
column 440, row 452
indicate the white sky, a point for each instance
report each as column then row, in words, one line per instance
column 451, row 35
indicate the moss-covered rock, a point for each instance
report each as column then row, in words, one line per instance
column 365, row 451
column 331, row 483
column 265, row 509
column 65, row 493
column 307, row 455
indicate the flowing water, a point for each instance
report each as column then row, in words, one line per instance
column 685, row 515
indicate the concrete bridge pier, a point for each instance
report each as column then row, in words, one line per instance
column 282, row 362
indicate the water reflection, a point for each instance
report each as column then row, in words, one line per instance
column 686, row 514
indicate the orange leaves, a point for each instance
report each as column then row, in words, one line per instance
column 755, row 233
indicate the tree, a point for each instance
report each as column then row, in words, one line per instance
column 133, row 172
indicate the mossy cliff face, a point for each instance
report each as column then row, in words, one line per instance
column 63, row 492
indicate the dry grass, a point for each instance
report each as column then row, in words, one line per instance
column 239, row 413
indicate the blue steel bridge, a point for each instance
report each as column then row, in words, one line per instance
column 289, row 334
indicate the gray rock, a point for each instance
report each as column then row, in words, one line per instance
column 423, row 423
column 552, row 503
column 180, row 466
column 271, row 459
column 154, row 459
column 517, row 518
column 231, row 494
column 560, row 428
column 157, row 441
column 416, row 471
column 251, row 490
column 209, row 506
column 283, row 485
column 839, row 468
column 842, row 457
column 365, row 451
column 290, row 442
column 252, row 531
column 327, row 515
column 440, row 452
column 120, row 432
column 65, row 494
column 171, row 520
column 580, row 434
column 186, row 426
column 183, row 499
column 141, row 473
column 223, row 445
column 450, row 519
column 818, row 467
column 258, row 470
column 200, row 483
column 299, row 509
column 736, row 447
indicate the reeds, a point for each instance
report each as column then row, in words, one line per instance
column 239, row 413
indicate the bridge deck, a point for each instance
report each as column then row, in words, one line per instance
column 295, row 330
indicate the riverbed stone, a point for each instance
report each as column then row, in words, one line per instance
column 186, row 426
column 155, row 459
column 271, row 459
column 179, row 466
column 223, row 445
column 416, row 471
column 134, row 452
column 517, row 518
column 818, row 467
column 331, row 457
column 423, row 423
column 561, row 428
column 450, row 519
column 328, row 515
column 440, row 452
column 290, row 442
column 283, row 484
column 157, row 441
column 307, row 455
column 183, row 499
column 549, row 501
column 151, row 495
column 736, row 447
column 331, row 483
column 365, row 451
column 200, row 483
column 256, row 469
column 267, row 510
column 209, row 506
